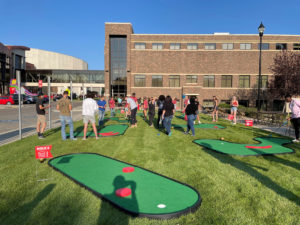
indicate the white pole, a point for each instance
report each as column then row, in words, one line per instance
column 19, row 97
column 71, row 87
column 49, row 95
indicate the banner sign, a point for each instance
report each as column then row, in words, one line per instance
column 249, row 123
column 42, row 152
column 40, row 83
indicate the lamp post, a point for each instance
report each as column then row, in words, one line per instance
column 261, row 30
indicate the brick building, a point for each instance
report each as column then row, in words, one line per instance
column 201, row 65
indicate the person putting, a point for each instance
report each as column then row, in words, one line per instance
column 234, row 107
column 167, row 114
column 89, row 108
column 112, row 107
column 198, row 110
column 191, row 112
column 295, row 117
column 132, row 110
column 215, row 109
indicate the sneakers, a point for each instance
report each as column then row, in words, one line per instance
column 194, row 122
column 170, row 134
column 83, row 139
column 199, row 122
column 97, row 138
column 41, row 136
column 296, row 140
column 73, row 139
column 185, row 132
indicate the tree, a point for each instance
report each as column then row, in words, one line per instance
column 286, row 70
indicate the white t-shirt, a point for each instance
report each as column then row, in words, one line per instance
column 89, row 107
column 132, row 103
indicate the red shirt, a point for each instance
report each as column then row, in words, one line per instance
column 112, row 104
column 145, row 104
column 235, row 103
column 174, row 102
column 186, row 101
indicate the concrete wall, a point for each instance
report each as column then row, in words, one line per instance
column 52, row 60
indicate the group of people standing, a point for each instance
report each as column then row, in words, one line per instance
column 166, row 110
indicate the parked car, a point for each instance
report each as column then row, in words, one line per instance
column 6, row 100
column 29, row 99
column 15, row 97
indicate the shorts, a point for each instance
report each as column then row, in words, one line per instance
column 216, row 108
column 234, row 108
column 88, row 118
column 41, row 118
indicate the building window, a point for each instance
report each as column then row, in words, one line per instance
column 192, row 46
column 209, row 81
column 264, row 46
column 244, row 81
column 140, row 81
column 281, row 46
column 296, row 46
column 175, row 46
column 245, row 46
column 192, row 79
column 157, row 81
column 227, row 46
column 226, row 81
column 174, row 81
column 210, row 46
column 264, row 81
column 157, row 46
column 139, row 45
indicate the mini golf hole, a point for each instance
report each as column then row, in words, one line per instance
column 161, row 206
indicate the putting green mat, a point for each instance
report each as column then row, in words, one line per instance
column 110, row 130
column 202, row 125
column 118, row 119
column 267, row 145
column 152, row 195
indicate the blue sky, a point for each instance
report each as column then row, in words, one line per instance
column 76, row 27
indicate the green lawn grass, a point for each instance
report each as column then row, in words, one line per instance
column 235, row 190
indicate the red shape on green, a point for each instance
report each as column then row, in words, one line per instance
column 215, row 126
column 111, row 133
column 123, row 192
column 128, row 169
column 263, row 147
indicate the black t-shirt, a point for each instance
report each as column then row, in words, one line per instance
column 151, row 108
column 191, row 109
column 38, row 110
column 168, row 107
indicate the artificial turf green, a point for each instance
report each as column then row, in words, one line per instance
column 114, row 129
column 273, row 146
column 104, row 176
column 235, row 190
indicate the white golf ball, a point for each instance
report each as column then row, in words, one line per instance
column 161, row 206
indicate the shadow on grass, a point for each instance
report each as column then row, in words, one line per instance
column 283, row 161
column 108, row 213
column 21, row 215
column 247, row 168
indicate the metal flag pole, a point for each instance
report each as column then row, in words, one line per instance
column 49, row 95
column 71, row 87
column 19, row 97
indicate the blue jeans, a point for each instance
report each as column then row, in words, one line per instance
column 190, row 123
column 112, row 112
column 101, row 117
column 64, row 120
column 168, row 123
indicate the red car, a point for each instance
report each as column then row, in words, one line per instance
column 6, row 100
